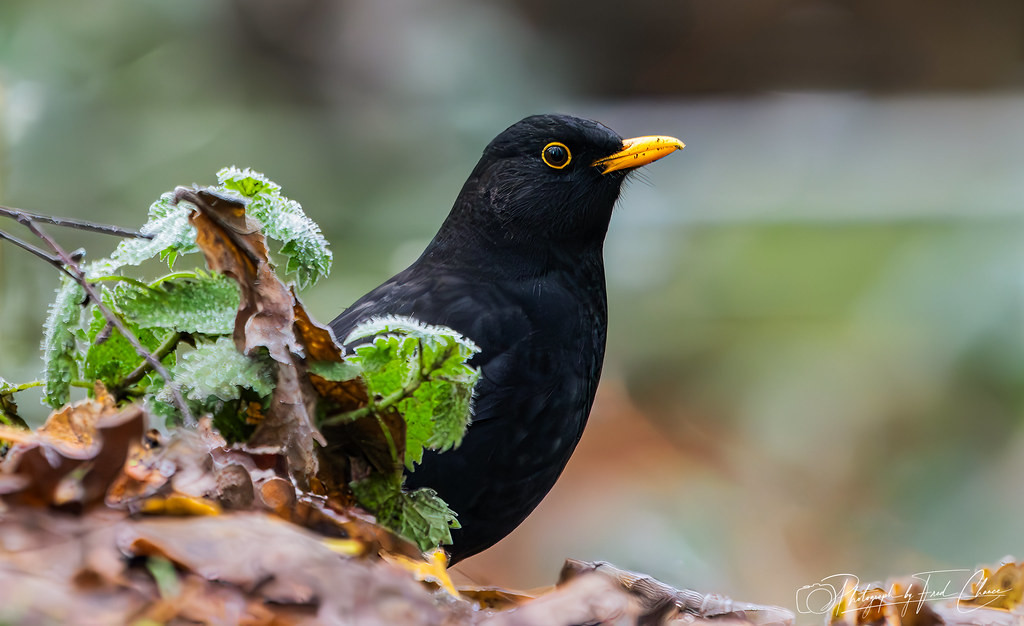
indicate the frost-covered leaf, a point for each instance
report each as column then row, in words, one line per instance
column 193, row 303
column 246, row 182
column 60, row 365
column 409, row 326
column 388, row 364
column 418, row 515
column 426, row 366
column 173, row 235
column 219, row 370
column 113, row 358
column 304, row 246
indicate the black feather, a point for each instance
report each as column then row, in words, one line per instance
column 517, row 267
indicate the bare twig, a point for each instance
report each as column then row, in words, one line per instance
column 24, row 217
column 76, row 272
column 165, row 348
column 24, row 245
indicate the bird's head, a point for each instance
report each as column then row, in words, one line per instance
column 548, row 181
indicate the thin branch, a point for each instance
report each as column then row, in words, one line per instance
column 79, row 276
column 24, row 245
column 144, row 368
column 376, row 407
column 24, row 217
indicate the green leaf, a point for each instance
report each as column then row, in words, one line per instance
column 425, row 369
column 335, row 371
column 388, row 364
column 304, row 246
column 158, row 401
column 247, row 182
column 419, row 515
column 194, row 303
column 113, row 358
column 165, row 575
column 60, row 365
column 8, row 408
column 173, row 235
column 218, row 370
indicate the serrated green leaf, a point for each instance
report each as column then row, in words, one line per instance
column 247, row 182
column 387, row 363
column 427, row 519
column 427, row 367
column 420, row 516
column 411, row 327
column 193, row 303
column 219, row 370
column 306, row 250
column 173, row 235
column 113, row 358
column 452, row 415
column 60, row 365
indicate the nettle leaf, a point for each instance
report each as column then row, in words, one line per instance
column 219, row 370
column 409, row 326
column 419, row 515
column 246, row 182
column 60, row 365
column 303, row 245
column 423, row 369
column 197, row 302
column 388, row 364
column 234, row 388
column 112, row 358
column 172, row 235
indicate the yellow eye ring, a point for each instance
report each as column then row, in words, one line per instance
column 556, row 155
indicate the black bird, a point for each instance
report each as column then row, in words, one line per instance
column 518, row 268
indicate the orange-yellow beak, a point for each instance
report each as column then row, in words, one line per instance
column 639, row 151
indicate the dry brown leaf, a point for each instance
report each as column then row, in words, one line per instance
column 72, row 464
column 282, row 564
column 587, row 599
column 233, row 245
column 899, row 603
column 495, row 598
column 1002, row 589
column 319, row 344
column 431, row 567
column 660, row 603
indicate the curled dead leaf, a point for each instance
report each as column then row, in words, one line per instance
column 233, row 245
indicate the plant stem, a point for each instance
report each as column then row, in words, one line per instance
column 168, row 346
column 76, row 272
column 375, row 407
column 391, row 440
column 26, row 216
column 24, row 245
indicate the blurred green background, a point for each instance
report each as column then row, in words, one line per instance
column 816, row 352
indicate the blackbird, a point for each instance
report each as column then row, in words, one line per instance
column 518, row 268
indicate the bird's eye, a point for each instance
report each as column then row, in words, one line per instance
column 556, row 155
